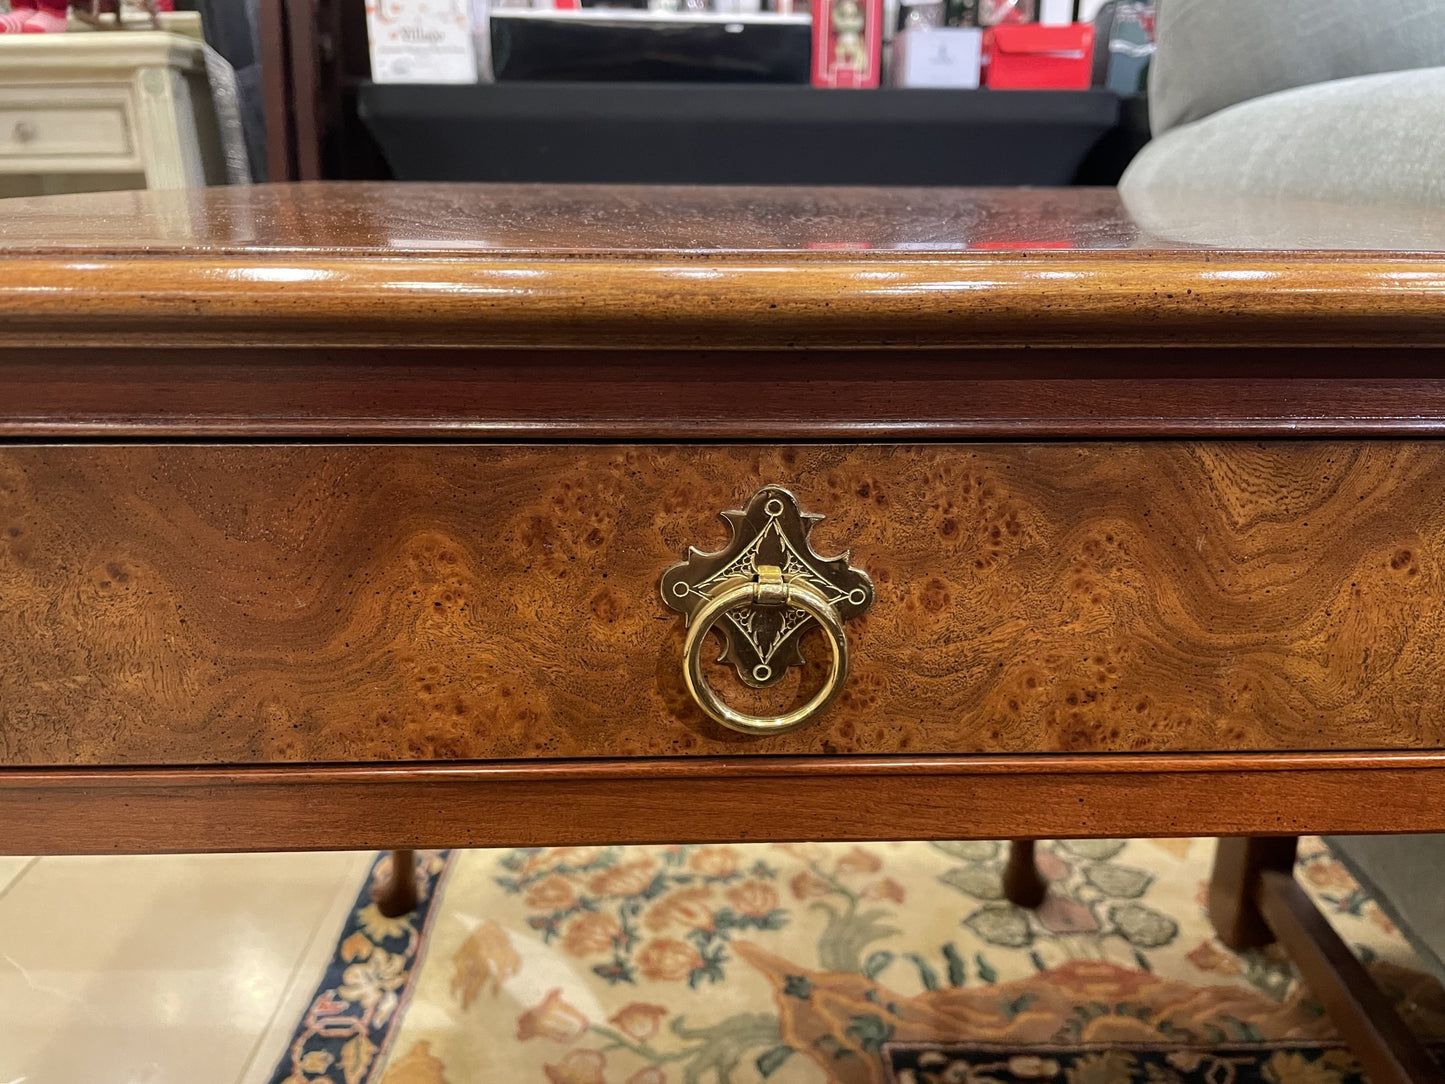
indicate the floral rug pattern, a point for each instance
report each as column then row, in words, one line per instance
column 823, row 963
column 1123, row 1063
column 365, row 987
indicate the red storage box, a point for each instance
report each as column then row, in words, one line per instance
column 1034, row 57
column 847, row 42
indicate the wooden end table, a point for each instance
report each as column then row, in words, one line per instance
column 388, row 516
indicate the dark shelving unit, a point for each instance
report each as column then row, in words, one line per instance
column 659, row 133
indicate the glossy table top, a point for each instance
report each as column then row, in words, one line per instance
column 396, row 218
column 379, row 264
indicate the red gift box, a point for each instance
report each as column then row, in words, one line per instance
column 847, row 42
column 1034, row 57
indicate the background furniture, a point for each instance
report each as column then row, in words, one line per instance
column 326, row 119
column 335, row 516
column 656, row 133
column 107, row 109
column 1338, row 102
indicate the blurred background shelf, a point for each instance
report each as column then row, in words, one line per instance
column 326, row 118
column 660, row 133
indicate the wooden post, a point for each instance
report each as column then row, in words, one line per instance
column 1238, row 863
column 1022, row 883
column 398, row 894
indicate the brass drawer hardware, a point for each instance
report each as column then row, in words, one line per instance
column 764, row 590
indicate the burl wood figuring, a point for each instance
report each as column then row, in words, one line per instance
column 186, row 604
column 335, row 517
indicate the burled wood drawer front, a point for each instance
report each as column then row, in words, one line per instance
column 186, row 604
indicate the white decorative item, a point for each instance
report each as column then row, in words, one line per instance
column 421, row 41
column 481, row 26
column 1056, row 12
column 937, row 57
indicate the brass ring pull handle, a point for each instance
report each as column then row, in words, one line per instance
column 769, row 589
column 763, row 592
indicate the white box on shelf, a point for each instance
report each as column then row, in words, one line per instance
column 937, row 57
column 421, row 41
column 1056, row 12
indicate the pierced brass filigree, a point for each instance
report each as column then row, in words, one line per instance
column 769, row 534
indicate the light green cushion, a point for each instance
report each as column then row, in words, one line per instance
column 1377, row 139
column 1212, row 54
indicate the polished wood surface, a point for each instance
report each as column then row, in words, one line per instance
column 209, row 646
column 360, row 219
column 789, row 316
column 556, row 267
column 632, row 395
column 261, row 604
column 675, row 800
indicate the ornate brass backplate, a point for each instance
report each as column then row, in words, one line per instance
column 763, row 641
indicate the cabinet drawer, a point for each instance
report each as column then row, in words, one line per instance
column 81, row 131
column 245, row 604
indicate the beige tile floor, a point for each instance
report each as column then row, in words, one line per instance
column 162, row 970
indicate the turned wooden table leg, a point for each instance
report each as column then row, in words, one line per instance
column 1022, row 883
column 398, row 894
column 1254, row 899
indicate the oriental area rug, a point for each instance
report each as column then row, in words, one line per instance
column 879, row 963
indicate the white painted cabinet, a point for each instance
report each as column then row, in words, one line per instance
column 106, row 110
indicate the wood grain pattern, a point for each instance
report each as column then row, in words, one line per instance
column 709, row 800
column 269, row 604
column 822, row 300
column 1083, row 622
column 581, row 267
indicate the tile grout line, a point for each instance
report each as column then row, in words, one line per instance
column 345, row 884
column 5, row 891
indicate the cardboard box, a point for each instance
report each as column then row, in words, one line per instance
column 1033, row 57
column 937, row 57
column 847, row 42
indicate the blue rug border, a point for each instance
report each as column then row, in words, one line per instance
column 430, row 887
